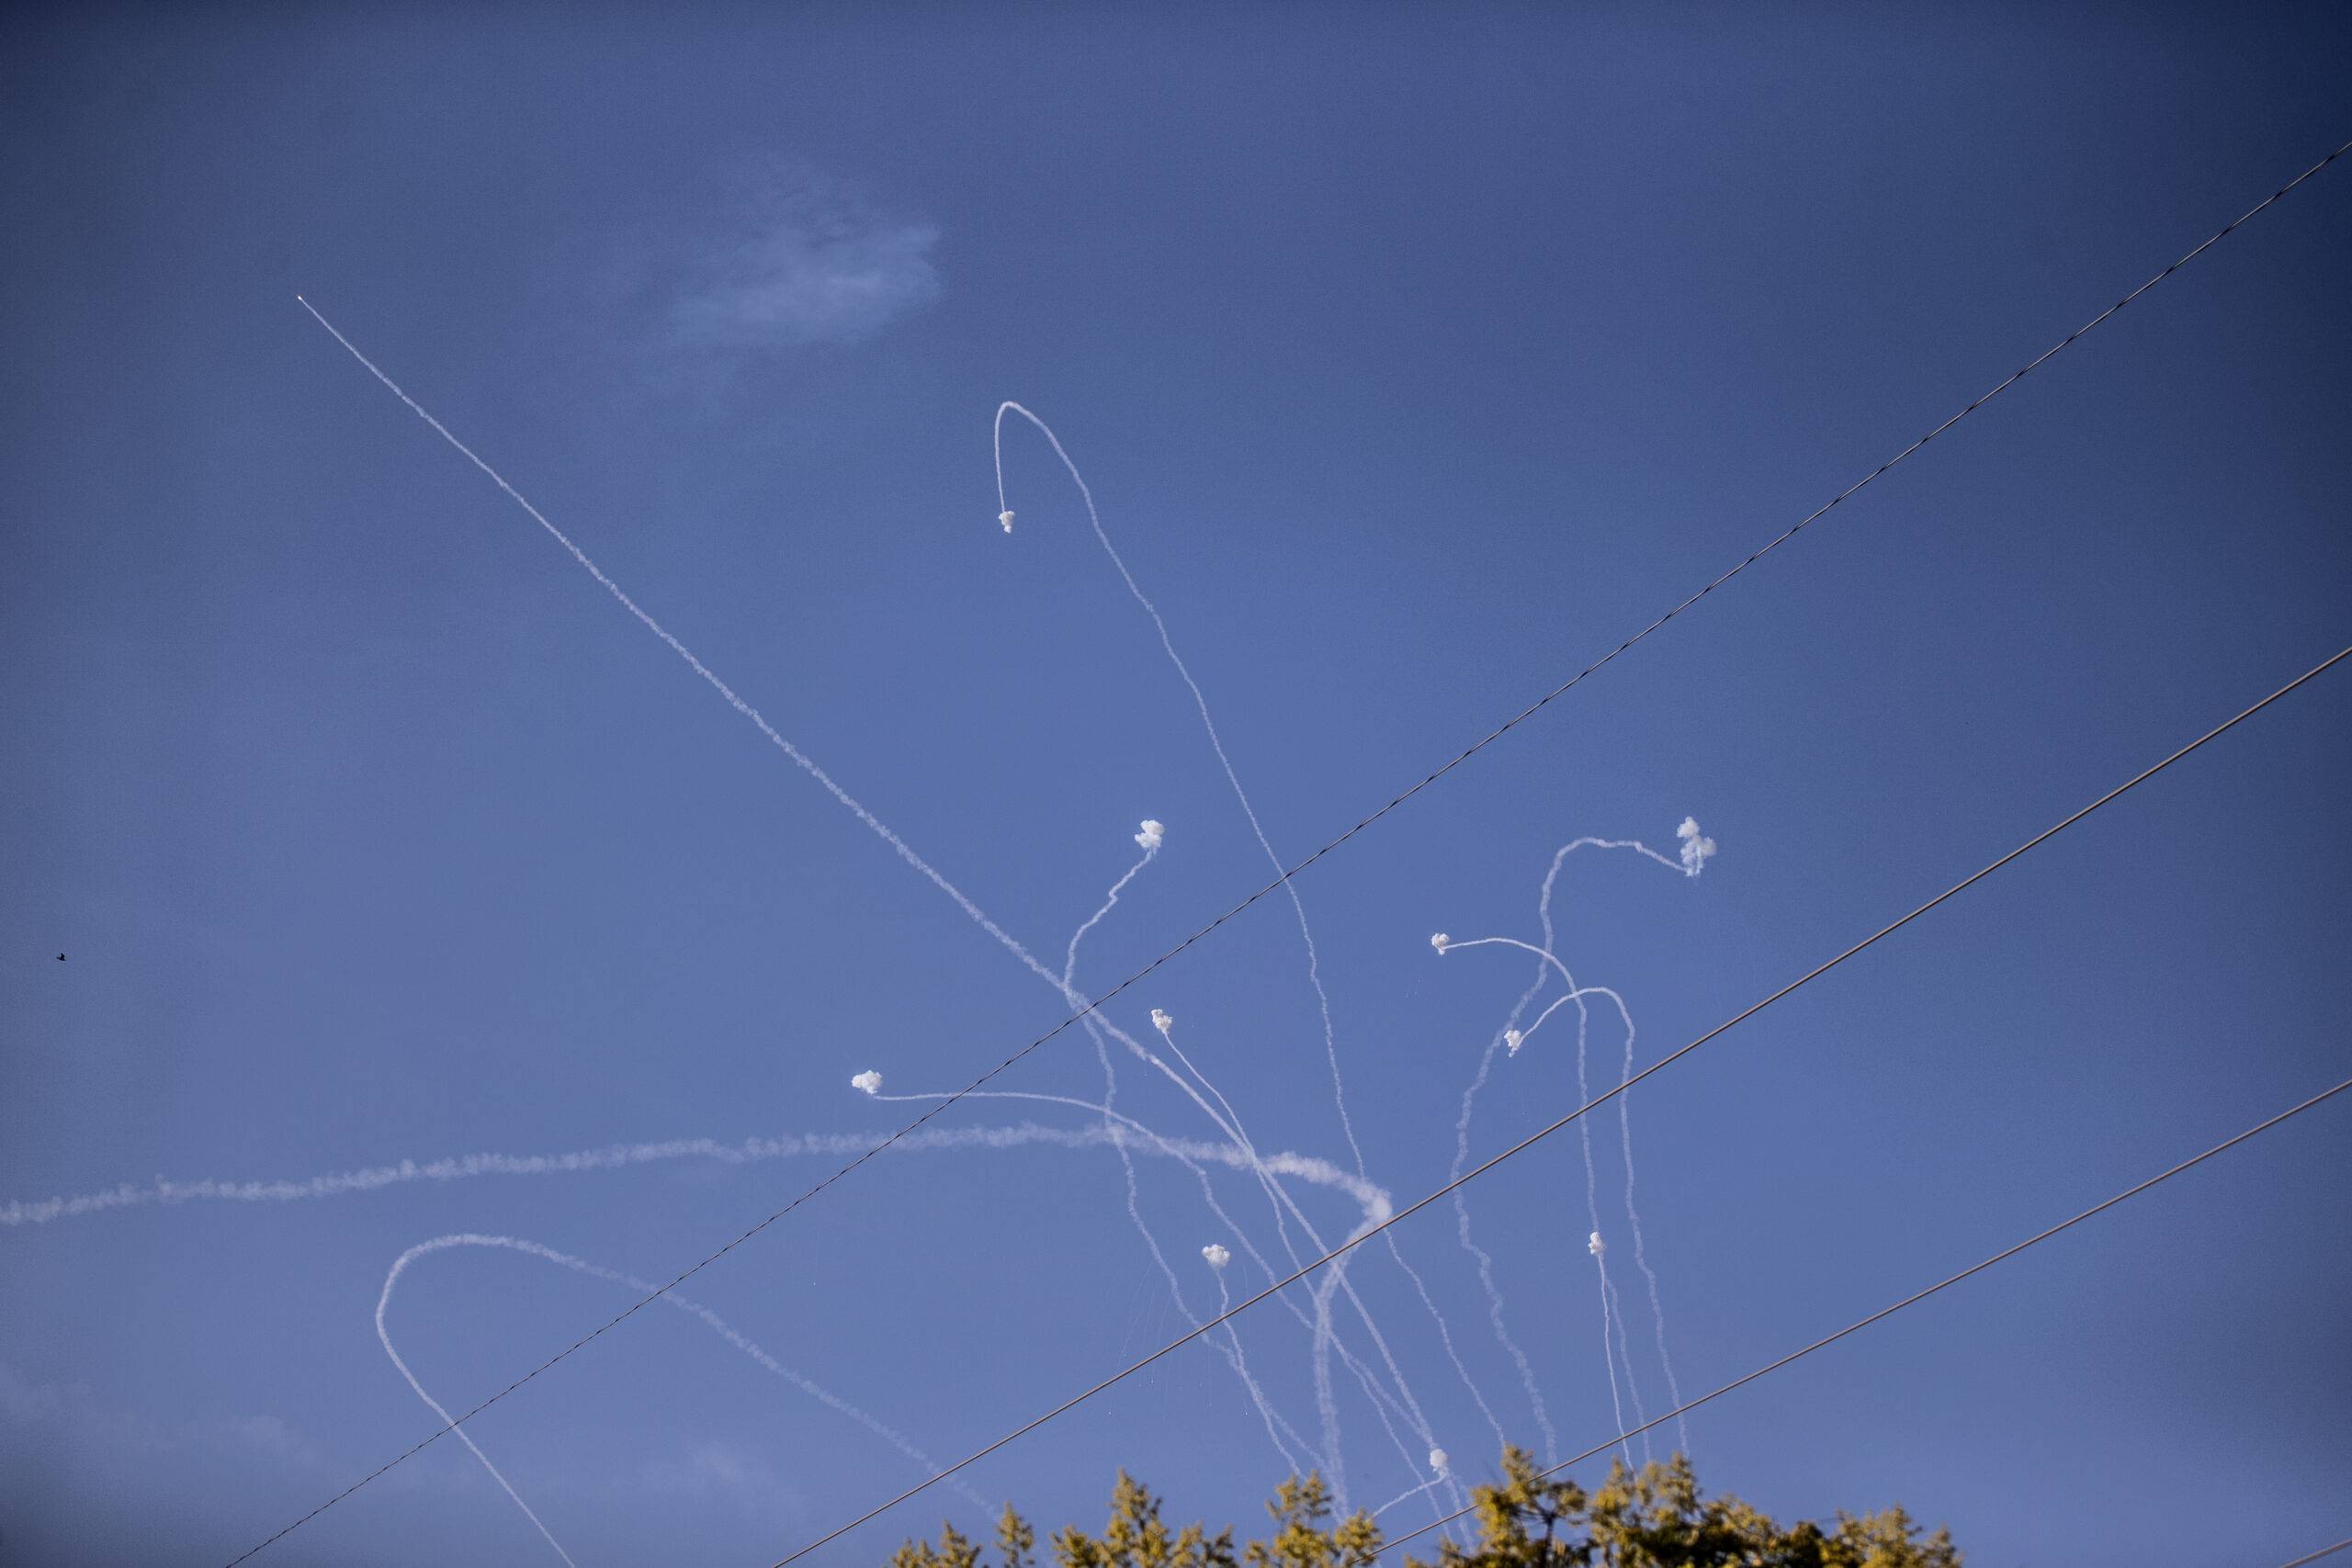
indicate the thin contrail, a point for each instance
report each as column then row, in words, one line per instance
column 1374, row 1200
column 1483, row 1258
column 1695, row 851
column 1241, row 1363
column 1151, row 838
column 1613, row 1351
column 1326, row 1342
column 1200, row 701
column 1298, row 906
column 801, row 759
column 691, row 1308
column 617, row 1156
column 383, row 1302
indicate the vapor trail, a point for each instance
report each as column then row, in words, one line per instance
column 905, row 852
column 617, row 1156
column 400, row 1266
column 1151, row 838
column 1479, row 1254
column 1241, row 1363
column 1298, row 907
column 1201, row 702
column 800, row 759
column 1695, row 851
column 1609, row 1355
column 1375, row 1202
column 711, row 1320
column 1324, row 1338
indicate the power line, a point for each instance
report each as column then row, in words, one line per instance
column 2315, row 1556
column 1598, row 1101
column 1464, row 756
column 1884, row 1313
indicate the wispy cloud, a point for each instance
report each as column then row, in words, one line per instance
column 717, row 1471
column 812, row 264
column 73, row 1407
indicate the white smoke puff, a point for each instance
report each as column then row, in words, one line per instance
column 1596, row 1246
column 868, row 1081
column 1439, row 1461
column 1216, row 1255
column 1439, row 940
column 1695, row 848
column 1005, row 518
column 1513, row 1039
column 1161, row 1021
column 1151, row 835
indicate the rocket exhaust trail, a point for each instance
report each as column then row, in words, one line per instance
column 758, row 721
column 1695, row 851
column 1241, row 795
column 693, row 1309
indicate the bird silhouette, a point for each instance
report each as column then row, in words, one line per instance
column 60, row 958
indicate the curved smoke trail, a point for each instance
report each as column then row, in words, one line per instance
column 1298, row 907
column 905, row 852
column 695, row 1309
column 1695, row 851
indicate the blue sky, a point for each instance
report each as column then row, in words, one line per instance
column 1414, row 360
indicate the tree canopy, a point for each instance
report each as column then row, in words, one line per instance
column 1653, row 1518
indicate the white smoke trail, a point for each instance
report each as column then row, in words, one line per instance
column 799, row 758
column 1696, row 849
column 1431, row 1485
column 1321, row 1331
column 1151, row 836
column 1232, row 1122
column 1515, row 1038
column 1100, row 1028
column 1610, row 1310
column 1375, row 1203
column 1335, row 1279
column 691, row 1308
column 1324, row 1337
column 1124, row 1131
column 383, row 1302
column 899, row 845
column 1200, row 701
column 1608, row 1347
column 1485, row 1259
column 1298, row 907
column 619, row 1156
column 1217, row 1257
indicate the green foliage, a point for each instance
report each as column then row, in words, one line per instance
column 1299, row 1508
column 1138, row 1537
column 1654, row 1517
column 1510, row 1515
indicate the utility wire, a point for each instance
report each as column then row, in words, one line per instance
column 2315, row 1556
column 1884, row 1313
column 1598, row 1101
column 1464, row 756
